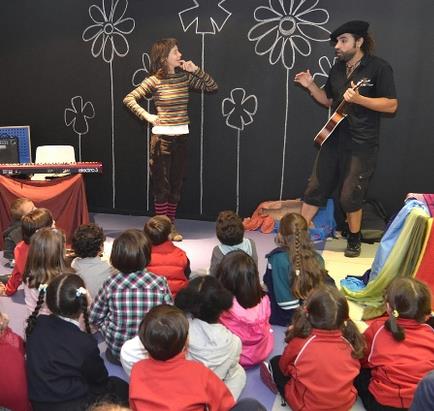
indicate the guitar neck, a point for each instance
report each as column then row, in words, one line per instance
column 340, row 108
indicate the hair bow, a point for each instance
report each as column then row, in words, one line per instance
column 80, row 291
column 42, row 287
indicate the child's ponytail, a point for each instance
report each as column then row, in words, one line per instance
column 393, row 326
column 31, row 321
column 352, row 334
column 82, row 295
column 406, row 298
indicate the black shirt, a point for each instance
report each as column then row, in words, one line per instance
column 362, row 125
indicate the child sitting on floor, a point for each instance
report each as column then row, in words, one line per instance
column 250, row 313
column 209, row 342
column 320, row 361
column 13, row 383
column 46, row 260
column 88, row 245
column 166, row 259
column 399, row 350
column 13, row 235
column 30, row 223
column 126, row 296
column 230, row 232
column 294, row 268
column 64, row 366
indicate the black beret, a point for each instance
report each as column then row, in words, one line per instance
column 357, row 27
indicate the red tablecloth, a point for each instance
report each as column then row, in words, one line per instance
column 65, row 197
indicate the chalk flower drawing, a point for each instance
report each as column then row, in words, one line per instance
column 108, row 36
column 325, row 65
column 77, row 116
column 286, row 27
column 239, row 110
column 108, row 32
column 138, row 76
column 205, row 19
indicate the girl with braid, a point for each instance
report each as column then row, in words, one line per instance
column 168, row 85
column 400, row 350
column 321, row 359
column 294, row 268
column 45, row 261
column 65, row 371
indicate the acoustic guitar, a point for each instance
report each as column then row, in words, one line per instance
column 337, row 116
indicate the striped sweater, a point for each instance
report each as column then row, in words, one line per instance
column 170, row 95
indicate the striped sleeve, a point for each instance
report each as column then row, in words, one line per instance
column 199, row 80
column 145, row 89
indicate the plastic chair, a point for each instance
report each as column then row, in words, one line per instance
column 53, row 154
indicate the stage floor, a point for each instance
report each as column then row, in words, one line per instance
column 199, row 240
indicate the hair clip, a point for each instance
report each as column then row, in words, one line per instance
column 297, row 272
column 395, row 313
column 80, row 291
column 42, row 287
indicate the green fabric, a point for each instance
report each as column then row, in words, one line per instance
column 401, row 262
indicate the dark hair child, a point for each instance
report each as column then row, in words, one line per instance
column 204, row 300
column 166, row 259
column 30, row 223
column 126, row 296
column 164, row 333
column 320, row 361
column 250, row 313
column 13, row 234
column 294, row 268
column 399, row 350
column 45, row 261
column 88, row 245
column 64, row 367
column 230, row 233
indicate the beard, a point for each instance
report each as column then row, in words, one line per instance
column 346, row 56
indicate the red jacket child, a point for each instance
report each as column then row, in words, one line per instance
column 171, row 262
column 322, row 371
column 398, row 366
column 20, row 255
column 13, row 383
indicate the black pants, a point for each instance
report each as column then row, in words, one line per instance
column 279, row 378
column 339, row 166
column 371, row 404
column 248, row 404
column 168, row 159
column 115, row 391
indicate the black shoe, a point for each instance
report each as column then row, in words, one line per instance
column 353, row 248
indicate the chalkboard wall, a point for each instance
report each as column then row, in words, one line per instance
column 67, row 64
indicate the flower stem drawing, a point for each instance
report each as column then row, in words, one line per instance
column 239, row 109
column 77, row 117
column 108, row 39
column 138, row 76
column 285, row 29
column 192, row 16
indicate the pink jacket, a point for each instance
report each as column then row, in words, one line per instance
column 253, row 327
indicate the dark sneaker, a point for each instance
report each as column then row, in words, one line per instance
column 353, row 249
column 267, row 376
column 174, row 235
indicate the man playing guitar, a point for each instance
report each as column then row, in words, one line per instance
column 347, row 159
